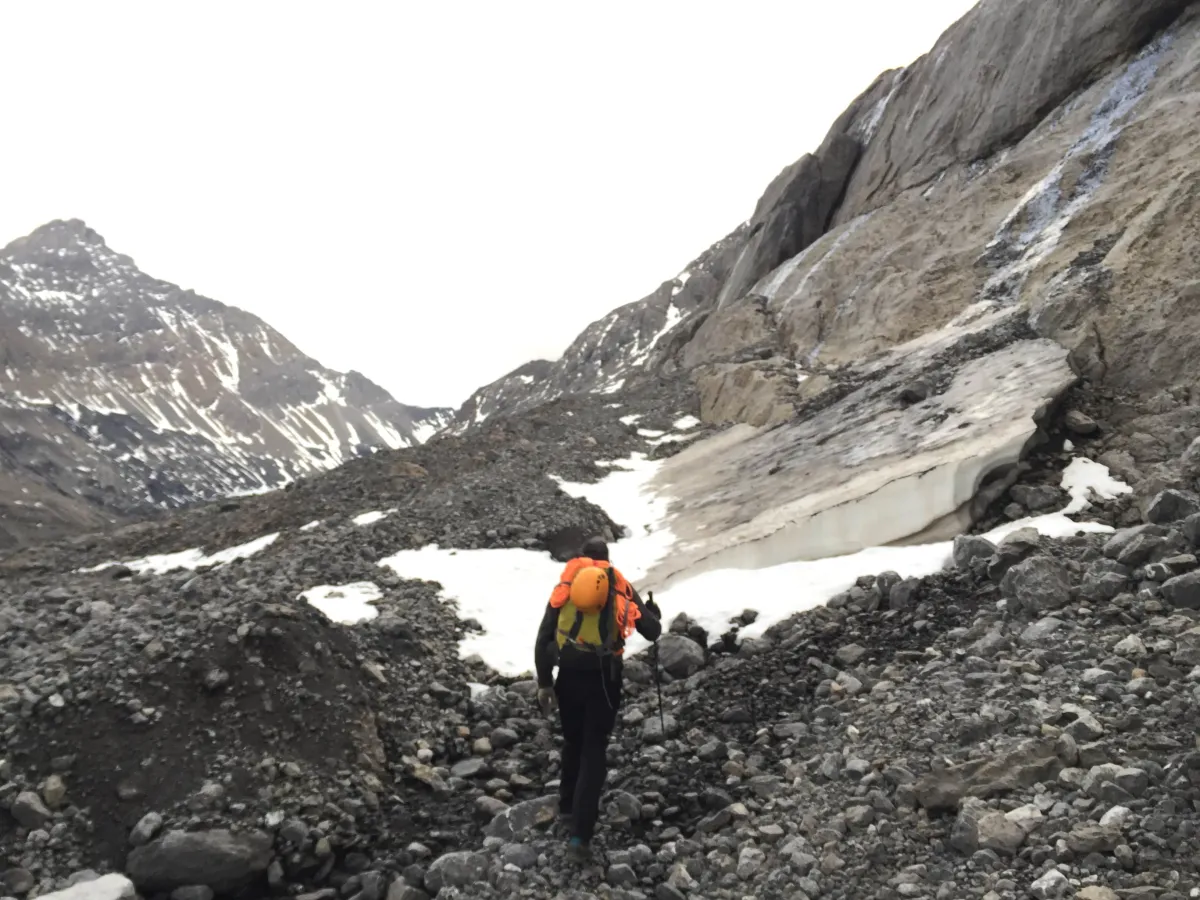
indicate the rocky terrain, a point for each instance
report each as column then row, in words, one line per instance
column 980, row 279
column 122, row 395
column 1022, row 724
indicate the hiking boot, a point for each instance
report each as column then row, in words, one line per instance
column 578, row 851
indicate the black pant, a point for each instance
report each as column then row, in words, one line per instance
column 587, row 706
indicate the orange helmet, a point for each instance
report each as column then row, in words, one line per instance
column 589, row 589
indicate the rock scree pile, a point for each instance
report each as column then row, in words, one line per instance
column 1021, row 724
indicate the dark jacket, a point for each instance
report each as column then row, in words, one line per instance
column 545, row 651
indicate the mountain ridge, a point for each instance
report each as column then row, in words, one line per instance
column 164, row 396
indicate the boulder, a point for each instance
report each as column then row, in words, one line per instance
column 224, row 860
column 680, row 656
column 1172, row 506
column 1037, row 497
column 1134, row 546
column 1183, row 592
column 970, row 549
column 1020, row 767
column 980, row 828
column 516, row 821
column 459, row 869
column 29, row 810
column 1037, row 585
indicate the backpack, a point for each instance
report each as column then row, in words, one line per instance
column 587, row 638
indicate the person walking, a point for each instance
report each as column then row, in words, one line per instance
column 592, row 611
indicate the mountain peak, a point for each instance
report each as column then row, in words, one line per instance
column 57, row 234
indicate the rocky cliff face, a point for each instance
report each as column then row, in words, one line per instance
column 121, row 394
column 1036, row 157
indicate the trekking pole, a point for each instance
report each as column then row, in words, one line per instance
column 662, row 722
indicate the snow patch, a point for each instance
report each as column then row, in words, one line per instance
column 106, row 887
column 1085, row 478
column 476, row 578
column 682, row 278
column 369, row 518
column 345, row 604
column 194, row 558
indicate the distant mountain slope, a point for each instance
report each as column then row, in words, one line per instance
column 121, row 393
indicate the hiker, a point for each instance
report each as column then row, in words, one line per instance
column 592, row 611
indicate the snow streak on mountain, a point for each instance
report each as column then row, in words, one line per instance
column 121, row 392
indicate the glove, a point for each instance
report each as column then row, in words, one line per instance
column 547, row 700
column 652, row 608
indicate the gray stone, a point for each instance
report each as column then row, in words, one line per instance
column 652, row 728
column 1080, row 423
column 1021, row 767
column 1037, row 497
column 902, row 595
column 193, row 892
column 518, row 820
column 1131, row 647
column 1191, row 529
column 1085, row 839
column 850, row 655
column 1172, row 506
column 622, row 875
column 1051, row 886
column 1098, row 589
column 970, row 549
column 458, row 869
column 1037, row 585
column 29, row 811
column 147, row 829
column 520, row 855
column 17, row 882
column 680, row 656
column 980, row 828
column 402, row 890
column 1121, row 544
column 54, row 791
column 503, row 738
column 1183, row 592
column 222, row 860
column 471, row 767
column 1041, row 631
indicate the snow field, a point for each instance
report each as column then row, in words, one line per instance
column 507, row 590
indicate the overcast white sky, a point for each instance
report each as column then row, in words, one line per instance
column 429, row 192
